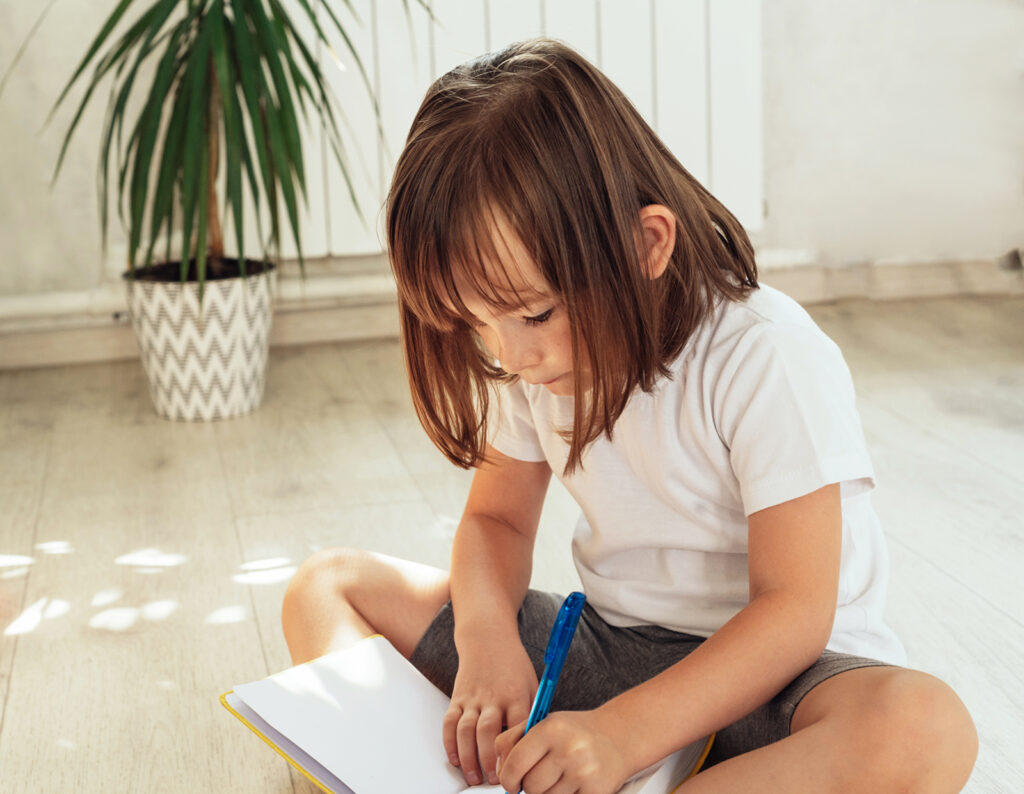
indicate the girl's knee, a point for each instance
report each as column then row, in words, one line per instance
column 919, row 731
column 341, row 594
column 326, row 573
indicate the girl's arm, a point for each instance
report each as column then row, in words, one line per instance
column 492, row 559
column 794, row 551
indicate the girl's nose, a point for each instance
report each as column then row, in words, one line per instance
column 515, row 356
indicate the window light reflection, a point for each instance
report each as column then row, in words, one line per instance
column 115, row 619
column 233, row 614
column 11, row 560
column 105, row 597
column 28, row 620
column 151, row 558
column 54, row 547
column 159, row 610
column 56, row 609
column 262, row 565
column 272, row 576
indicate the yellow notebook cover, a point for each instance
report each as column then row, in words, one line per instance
column 261, row 729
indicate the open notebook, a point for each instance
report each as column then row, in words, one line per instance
column 365, row 721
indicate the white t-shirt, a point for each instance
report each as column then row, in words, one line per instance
column 759, row 410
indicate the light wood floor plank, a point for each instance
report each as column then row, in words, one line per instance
column 26, row 430
column 115, row 687
column 301, row 451
column 962, row 517
column 336, row 457
column 379, row 374
column 953, row 368
column 953, row 634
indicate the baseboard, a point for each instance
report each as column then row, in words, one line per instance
column 332, row 306
column 895, row 280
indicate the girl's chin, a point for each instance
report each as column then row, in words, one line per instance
column 561, row 386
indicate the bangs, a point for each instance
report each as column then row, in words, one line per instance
column 474, row 250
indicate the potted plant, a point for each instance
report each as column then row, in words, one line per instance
column 230, row 79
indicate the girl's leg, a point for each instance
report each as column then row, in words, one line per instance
column 339, row 596
column 871, row 729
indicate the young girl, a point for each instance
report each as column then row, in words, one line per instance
column 573, row 301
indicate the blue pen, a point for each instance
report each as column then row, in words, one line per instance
column 554, row 657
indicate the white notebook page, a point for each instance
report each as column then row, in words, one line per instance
column 367, row 716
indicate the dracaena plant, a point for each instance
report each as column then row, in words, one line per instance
column 232, row 80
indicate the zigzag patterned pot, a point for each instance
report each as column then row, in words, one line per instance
column 207, row 364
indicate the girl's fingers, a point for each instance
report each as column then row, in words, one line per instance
column 465, row 732
column 487, row 729
column 506, row 741
column 518, row 712
column 524, row 763
column 547, row 777
column 449, row 735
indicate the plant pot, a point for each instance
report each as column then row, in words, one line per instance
column 207, row 362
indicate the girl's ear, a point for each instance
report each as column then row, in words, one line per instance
column 658, row 230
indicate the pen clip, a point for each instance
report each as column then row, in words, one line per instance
column 565, row 625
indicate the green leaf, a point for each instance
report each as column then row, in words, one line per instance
column 117, row 113
column 281, row 165
column 169, row 171
column 202, row 208
column 250, row 174
column 272, row 199
column 232, row 129
column 273, row 49
column 248, row 67
column 149, row 126
column 195, row 87
column 170, row 224
column 286, row 31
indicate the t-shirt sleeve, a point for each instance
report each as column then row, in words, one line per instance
column 510, row 424
column 785, row 408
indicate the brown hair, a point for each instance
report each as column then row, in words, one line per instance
column 537, row 135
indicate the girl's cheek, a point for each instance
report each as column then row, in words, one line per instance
column 490, row 341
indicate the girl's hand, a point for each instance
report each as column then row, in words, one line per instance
column 568, row 751
column 494, row 687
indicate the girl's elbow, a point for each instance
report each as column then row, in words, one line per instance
column 813, row 628
column 818, row 631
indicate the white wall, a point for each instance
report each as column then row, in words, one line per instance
column 891, row 129
column 894, row 129
column 50, row 240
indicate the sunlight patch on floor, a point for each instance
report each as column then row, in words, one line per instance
column 150, row 560
column 268, row 571
column 12, row 560
column 123, row 618
column 54, row 547
column 233, row 614
column 28, row 620
column 108, row 596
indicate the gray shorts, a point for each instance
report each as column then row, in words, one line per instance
column 606, row 660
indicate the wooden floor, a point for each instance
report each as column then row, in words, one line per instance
column 142, row 561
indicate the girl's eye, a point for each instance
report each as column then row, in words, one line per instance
column 540, row 318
